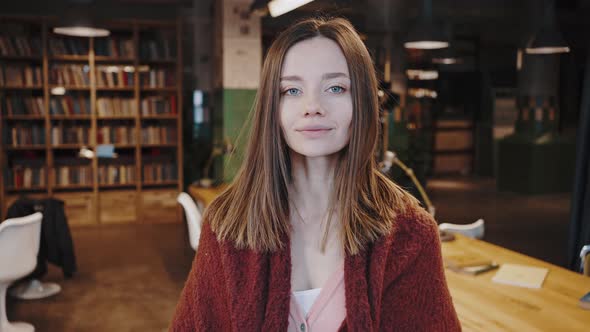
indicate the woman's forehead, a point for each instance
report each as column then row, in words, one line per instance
column 317, row 57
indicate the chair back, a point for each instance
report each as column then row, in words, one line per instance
column 19, row 246
column 585, row 260
column 193, row 218
column 474, row 230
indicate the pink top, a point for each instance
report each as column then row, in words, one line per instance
column 327, row 312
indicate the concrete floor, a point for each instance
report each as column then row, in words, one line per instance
column 130, row 276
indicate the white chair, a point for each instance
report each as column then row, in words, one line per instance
column 474, row 230
column 585, row 260
column 19, row 246
column 193, row 218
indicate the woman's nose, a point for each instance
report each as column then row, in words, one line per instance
column 313, row 106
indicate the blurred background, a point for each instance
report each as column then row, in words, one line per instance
column 485, row 100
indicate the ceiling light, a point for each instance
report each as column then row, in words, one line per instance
column 425, row 34
column 280, row 7
column 422, row 74
column 548, row 39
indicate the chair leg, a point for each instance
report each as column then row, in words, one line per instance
column 5, row 325
column 34, row 289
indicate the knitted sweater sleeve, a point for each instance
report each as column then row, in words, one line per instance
column 203, row 299
column 419, row 299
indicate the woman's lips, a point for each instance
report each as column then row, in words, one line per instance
column 314, row 133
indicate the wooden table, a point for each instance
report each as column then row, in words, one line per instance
column 205, row 195
column 483, row 305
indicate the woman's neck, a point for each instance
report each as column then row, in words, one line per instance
column 312, row 185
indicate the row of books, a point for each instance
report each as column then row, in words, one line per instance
column 24, row 135
column 106, row 106
column 157, row 48
column 68, row 46
column 72, row 175
column 158, row 134
column 69, row 135
column 116, row 174
column 20, row 75
column 157, row 105
column 114, row 76
column 70, row 75
column 21, row 105
column 24, row 177
column 20, row 46
column 116, row 135
column 70, row 105
column 155, row 78
column 159, row 172
column 114, row 47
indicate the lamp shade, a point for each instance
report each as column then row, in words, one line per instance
column 79, row 21
column 547, row 40
column 426, row 35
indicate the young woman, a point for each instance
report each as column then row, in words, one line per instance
column 310, row 236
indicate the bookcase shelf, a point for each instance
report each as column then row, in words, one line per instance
column 25, row 117
column 91, row 90
column 25, row 189
column 67, row 58
column 115, row 88
column 37, row 58
column 68, row 146
column 71, row 87
column 20, row 87
column 159, row 89
column 26, row 147
column 110, row 59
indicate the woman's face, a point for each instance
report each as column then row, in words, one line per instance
column 316, row 105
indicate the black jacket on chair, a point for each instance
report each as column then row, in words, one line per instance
column 56, row 241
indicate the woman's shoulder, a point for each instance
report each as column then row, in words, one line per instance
column 417, row 221
column 414, row 226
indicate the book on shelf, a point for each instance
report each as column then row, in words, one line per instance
column 20, row 45
column 116, row 174
column 69, row 105
column 114, row 76
column 68, row 46
column 117, row 47
column 61, row 134
column 158, row 78
column 159, row 172
column 68, row 175
column 20, row 75
column 114, row 106
column 70, row 75
column 116, row 134
column 22, row 176
column 20, row 105
column 152, row 134
column 157, row 48
column 158, row 105
column 25, row 135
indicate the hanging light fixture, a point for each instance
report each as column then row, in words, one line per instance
column 78, row 21
column 425, row 34
column 446, row 56
column 548, row 39
column 280, row 7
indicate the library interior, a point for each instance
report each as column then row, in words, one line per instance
column 123, row 121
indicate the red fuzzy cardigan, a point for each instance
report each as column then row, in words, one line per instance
column 396, row 284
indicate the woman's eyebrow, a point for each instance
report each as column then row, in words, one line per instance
column 326, row 76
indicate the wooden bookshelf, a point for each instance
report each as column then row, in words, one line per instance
column 72, row 65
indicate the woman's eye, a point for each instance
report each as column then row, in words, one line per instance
column 292, row 92
column 336, row 89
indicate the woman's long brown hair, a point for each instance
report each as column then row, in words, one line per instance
column 253, row 212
